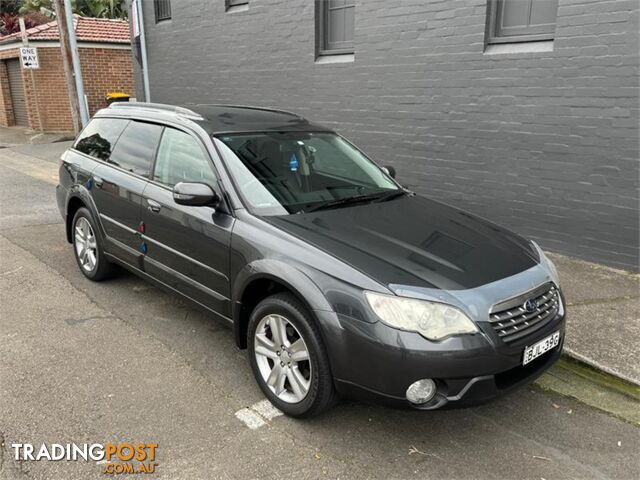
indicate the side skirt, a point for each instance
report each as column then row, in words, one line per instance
column 145, row 276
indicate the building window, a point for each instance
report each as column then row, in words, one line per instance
column 236, row 3
column 162, row 9
column 335, row 24
column 521, row 20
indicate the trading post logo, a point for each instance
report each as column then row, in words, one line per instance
column 115, row 458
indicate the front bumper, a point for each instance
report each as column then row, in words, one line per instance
column 376, row 362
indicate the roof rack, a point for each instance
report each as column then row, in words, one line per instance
column 249, row 107
column 157, row 106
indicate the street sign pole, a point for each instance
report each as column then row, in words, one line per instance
column 25, row 44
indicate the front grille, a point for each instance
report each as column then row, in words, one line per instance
column 511, row 320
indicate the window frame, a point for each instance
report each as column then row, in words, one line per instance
column 322, row 27
column 220, row 147
column 526, row 34
column 79, row 137
column 203, row 148
column 155, row 150
column 159, row 19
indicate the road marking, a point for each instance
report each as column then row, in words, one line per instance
column 266, row 409
column 258, row 414
column 250, row 418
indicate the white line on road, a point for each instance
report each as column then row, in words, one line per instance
column 258, row 414
column 266, row 409
column 250, row 418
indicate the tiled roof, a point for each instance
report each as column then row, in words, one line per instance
column 103, row 30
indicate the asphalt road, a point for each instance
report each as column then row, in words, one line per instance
column 122, row 361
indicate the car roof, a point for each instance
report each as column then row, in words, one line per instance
column 219, row 119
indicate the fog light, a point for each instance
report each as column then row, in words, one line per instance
column 421, row 391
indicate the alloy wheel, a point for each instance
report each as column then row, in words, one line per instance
column 85, row 244
column 283, row 359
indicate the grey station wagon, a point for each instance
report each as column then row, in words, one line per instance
column 338, row 280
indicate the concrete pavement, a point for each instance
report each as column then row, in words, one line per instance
column 16, row 136
column 121, row 360
column 603, row 323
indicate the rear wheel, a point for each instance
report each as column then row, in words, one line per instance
column 288, row 357
column 88, row 249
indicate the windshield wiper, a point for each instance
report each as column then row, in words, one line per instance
column 392, row 194
column 372, row 197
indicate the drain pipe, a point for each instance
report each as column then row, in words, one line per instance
column 75, row 59
column 143, row 49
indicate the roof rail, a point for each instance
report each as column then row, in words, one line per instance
column 249, row 107
column 157, row 106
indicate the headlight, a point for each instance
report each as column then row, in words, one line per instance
column 434, row 321
column 545, row 261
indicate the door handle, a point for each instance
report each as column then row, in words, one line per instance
column 153, row 206
column 98, row 182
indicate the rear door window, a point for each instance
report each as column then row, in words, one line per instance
column 99, row 137
column 136, row 147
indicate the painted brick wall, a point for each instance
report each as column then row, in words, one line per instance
column 544, row 143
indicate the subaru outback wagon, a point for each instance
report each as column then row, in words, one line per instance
column 336, row 279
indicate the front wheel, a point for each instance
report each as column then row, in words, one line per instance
column 288, row 357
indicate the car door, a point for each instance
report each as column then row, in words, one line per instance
column 118, row 185
column 187, row 247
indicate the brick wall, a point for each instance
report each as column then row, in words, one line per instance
column 544, row 143
column 49, row 107
column 103, row 69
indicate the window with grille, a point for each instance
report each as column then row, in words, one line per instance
column 162, row 9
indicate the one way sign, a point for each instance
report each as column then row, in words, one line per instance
column 29, row 57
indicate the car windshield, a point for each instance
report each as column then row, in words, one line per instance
column 293, row 172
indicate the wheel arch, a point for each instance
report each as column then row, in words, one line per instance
column 78, row 198
column 264, row 278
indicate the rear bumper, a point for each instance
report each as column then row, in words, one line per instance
column 378, row 363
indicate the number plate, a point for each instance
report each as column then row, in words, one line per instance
column 543, row 346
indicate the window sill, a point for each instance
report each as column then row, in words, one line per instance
column 519, row 48
column 336, row 58
column 238, row 8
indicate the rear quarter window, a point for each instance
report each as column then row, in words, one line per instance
column 99, row 137
column 136, row 147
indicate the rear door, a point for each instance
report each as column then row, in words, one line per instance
column 118, row 185
column 187, row 247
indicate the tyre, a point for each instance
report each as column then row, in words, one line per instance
column 288, row 357
column 88, row 248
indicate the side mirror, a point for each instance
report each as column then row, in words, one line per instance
column 390, row 171
column 195, row 195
